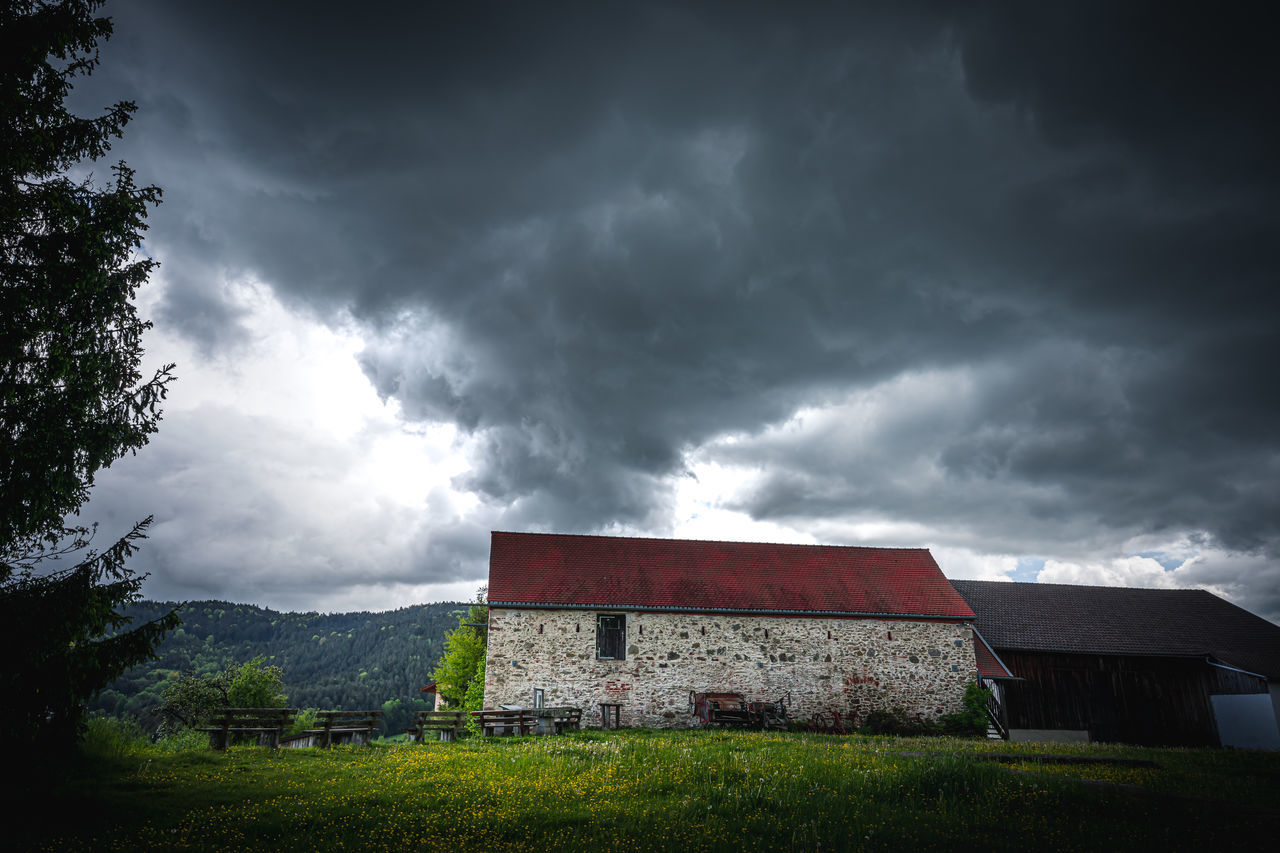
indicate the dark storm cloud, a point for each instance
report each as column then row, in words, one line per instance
column 598, row 239
column 1188, row 91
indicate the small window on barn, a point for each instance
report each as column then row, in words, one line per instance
column 539, row 698
column 611, row 636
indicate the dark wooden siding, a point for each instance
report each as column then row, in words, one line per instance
column 1125, row 699
column 1224, row 680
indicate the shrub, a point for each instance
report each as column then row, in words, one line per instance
column 972, row 719
column 112, row 737
column 969, row 721
column 895, row 722
column 183, row 741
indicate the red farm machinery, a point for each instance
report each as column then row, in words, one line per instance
column 732, row 710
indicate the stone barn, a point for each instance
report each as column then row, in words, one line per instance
column 642, row 623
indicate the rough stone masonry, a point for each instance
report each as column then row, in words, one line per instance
column 847, row 665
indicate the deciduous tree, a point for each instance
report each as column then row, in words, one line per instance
column 191, row 700
column 464, row 651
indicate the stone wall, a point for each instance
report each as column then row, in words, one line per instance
column 850, row 666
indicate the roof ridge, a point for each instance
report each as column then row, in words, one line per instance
column 1017, row 583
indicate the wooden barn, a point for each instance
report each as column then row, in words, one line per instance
column 1142, row 666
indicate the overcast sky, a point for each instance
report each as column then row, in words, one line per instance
column 994, row 279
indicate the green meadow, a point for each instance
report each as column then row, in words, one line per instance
column 656, row 790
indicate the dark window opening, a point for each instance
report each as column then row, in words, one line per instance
column 611, row 636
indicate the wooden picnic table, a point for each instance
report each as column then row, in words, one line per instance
column 346, row 724
column 504, row 721
column 449, row 724
column 523, row 721
column 268, row 723
column 556, row 720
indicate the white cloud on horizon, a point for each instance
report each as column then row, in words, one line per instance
column 279, row 477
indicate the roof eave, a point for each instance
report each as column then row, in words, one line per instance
column 1223, row 665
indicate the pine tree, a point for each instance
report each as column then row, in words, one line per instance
column 72, row 397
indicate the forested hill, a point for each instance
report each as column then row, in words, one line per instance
column 351, row 661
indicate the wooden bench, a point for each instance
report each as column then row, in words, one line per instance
column 507, row 721
column 556, row 720
column 449, row 724
column 268, row 723
column 345, row 725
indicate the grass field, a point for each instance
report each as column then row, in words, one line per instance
column 649, row 790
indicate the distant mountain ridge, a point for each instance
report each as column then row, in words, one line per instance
column 352, row 661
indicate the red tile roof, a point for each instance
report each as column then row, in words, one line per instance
column 542, row 569
column 989, row 663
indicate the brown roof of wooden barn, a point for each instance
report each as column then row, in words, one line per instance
column 550, row 570
column 1073, row 618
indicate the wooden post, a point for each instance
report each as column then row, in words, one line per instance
column 225, row 738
